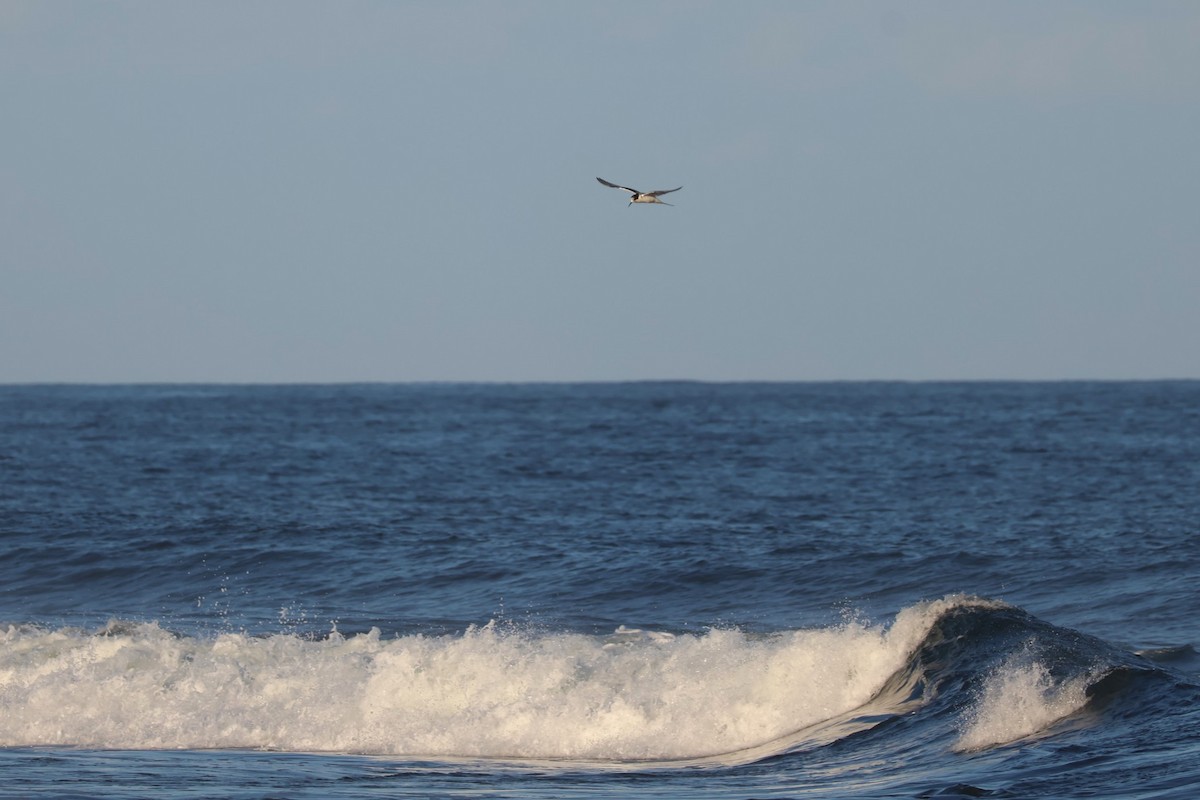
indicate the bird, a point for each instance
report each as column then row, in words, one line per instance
column 642, row 197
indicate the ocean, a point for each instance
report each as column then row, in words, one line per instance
column 610, row 590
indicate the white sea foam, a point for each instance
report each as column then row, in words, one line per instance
column 1020, row 699
column 490, row 692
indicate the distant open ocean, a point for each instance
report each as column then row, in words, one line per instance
column 643, row 590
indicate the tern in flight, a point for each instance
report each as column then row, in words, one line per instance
column 642, row 197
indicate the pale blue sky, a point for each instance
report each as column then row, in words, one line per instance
column 405, row 191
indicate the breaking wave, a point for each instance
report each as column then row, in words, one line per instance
column 985, row 670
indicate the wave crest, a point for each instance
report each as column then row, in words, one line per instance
column 502, row 692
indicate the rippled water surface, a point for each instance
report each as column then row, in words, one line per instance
column 600, row 590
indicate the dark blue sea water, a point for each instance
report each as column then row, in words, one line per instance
column 656, row 590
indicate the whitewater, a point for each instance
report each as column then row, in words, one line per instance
column 489, row 693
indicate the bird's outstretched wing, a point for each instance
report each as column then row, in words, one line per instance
column 657, row 192
column 617, row 186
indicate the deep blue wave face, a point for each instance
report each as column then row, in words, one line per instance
column 663, row 589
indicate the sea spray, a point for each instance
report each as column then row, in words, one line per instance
column 1020, row 698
